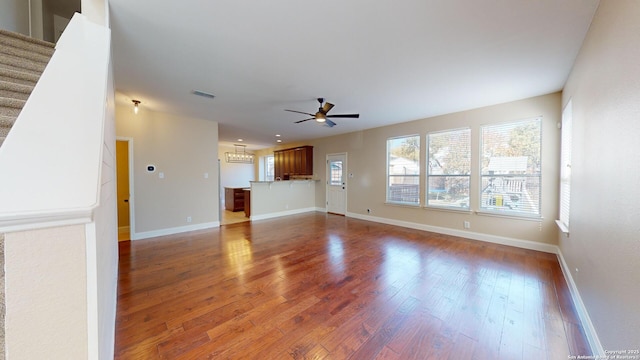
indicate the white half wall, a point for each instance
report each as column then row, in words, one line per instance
column 281, row 198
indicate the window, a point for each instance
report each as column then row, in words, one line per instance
column 269, row 169
column 449, row 168
column 510, row 168
column 336, row 173
column 565, row 167
column 403, row 170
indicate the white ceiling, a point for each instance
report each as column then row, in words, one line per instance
column 389, row 60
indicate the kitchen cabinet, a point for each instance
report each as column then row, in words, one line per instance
column 247, row 203
column 293, row 162
column 234, row 199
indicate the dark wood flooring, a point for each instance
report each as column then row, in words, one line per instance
column 317, row 286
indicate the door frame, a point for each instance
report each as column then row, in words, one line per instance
column 132, row 216
column 345, row 174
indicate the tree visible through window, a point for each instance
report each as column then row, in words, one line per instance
column 449, row 168
column 403, row 170
column 511, row 169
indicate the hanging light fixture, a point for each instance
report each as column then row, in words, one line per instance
column 135, row 106
column 239, row 155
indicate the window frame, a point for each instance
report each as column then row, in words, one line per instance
column 564, row 191
column 266, row 168
column 482, row 208
column 388, row 200
column 428, row 174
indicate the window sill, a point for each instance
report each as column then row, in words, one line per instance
column 410, row 205
column 449, row 209
column 510, row 216
column 564, row 228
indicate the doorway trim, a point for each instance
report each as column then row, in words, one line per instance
column 132, row 216
column 345, row 175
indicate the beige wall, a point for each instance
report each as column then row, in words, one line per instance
column 366, row 160
column 181, row 148
column 14, row 16
column 605, row 194
column 46, row 294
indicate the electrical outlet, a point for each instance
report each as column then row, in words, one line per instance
column 467, row 225
column 188, row 219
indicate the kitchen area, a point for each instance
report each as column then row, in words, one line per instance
column 292, row 190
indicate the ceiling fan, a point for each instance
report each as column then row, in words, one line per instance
column 321, row 116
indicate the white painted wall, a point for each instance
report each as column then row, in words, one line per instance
column 604, row 229
column 14, row 16
column 183, row 149
column 96, row 11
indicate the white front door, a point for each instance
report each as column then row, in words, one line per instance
column 337, row 183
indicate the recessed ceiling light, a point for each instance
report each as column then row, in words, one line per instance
column 279, row 140
column 240, row 140
column 277, row 135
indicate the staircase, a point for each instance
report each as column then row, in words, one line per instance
column 22, row 61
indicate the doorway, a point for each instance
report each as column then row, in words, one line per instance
column 123, row 181
column 337, row 183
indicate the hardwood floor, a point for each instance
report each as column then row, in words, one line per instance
column 317, row 286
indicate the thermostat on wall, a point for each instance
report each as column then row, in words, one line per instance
column 151, row 168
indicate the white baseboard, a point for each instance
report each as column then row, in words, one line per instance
column 589, row 329
column 174, row 230
column 281, row 213
column 524, row 244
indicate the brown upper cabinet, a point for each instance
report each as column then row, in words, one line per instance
column 293, row 162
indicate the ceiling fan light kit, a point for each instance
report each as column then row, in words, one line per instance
column 321, row 115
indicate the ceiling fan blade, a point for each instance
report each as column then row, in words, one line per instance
column 344, row 116
column 326, row 107
column 297, row 122
column 329, row 123
column 299, row 112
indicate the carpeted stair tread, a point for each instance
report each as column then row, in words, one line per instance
column 18, row 77
column 24, row 54
column 7, row 121
column 22, row 61
column 11, row 107
column 19, row 64
column 13, row 90
column 25, row 42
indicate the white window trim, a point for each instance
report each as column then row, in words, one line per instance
column 565, row 169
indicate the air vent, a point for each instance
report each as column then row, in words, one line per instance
column 203, row 94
